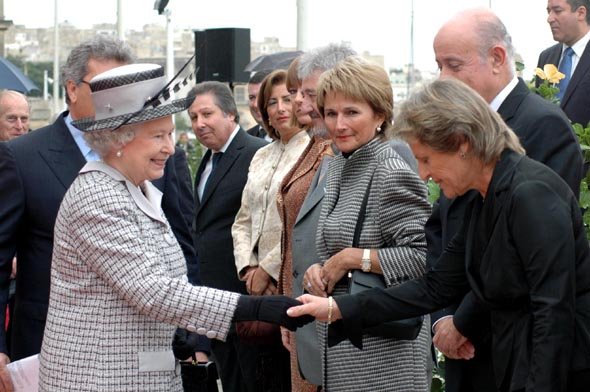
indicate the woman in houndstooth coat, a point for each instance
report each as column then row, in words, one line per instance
column 118, row 277
column 356, row 101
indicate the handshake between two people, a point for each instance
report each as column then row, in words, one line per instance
column 284, row 311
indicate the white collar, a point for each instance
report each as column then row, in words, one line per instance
column 579, row 46
column 229, row 139
column 497, row 102
column 150, row 203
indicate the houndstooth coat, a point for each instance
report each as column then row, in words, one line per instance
column 394, row 224
column 118, row 290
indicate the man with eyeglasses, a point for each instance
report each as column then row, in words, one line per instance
column 37, row 169
column 14, row 115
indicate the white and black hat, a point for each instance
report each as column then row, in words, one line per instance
column 131, row 94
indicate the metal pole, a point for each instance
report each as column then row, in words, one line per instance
column 45, row 77
column 4, row 25
column 169, row 46
column 302, row 30
column 56, row 108
column 169, row 49
column 120, row 32
column 410, row 80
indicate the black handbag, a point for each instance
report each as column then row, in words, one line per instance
column 198, row 377
column 358, row 281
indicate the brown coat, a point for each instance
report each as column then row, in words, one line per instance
column 290, row 197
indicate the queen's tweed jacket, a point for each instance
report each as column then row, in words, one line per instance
column 397, row 210
column 118, row 290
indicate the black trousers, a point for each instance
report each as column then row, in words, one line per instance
column 236, row 363
column 474, row 375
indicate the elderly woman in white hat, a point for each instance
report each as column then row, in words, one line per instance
column 118, row 284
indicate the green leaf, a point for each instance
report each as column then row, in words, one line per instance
column 437, row 385
column 433, row 191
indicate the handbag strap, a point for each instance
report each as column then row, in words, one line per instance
column 362, row 212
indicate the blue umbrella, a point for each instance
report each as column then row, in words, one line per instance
column 12, row 78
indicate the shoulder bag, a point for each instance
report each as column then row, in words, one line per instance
column 406, row 329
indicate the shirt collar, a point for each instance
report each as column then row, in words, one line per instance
column 497, row 102
column 78, row 136
column 579, row 46
column 229, row 139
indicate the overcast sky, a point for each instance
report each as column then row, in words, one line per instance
column 379, row 26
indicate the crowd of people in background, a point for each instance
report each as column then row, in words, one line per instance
column 128, row 263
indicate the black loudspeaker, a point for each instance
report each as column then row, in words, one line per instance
column 200, row 54
column 222, row 54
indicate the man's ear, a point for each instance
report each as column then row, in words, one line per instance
column 72, row 91
column 498, row 57
column 581, row 13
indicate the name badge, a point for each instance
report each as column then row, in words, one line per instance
column 156, row 361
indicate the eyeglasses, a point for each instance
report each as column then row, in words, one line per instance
column 85, row 82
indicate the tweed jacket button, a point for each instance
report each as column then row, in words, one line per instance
column 191, row 328
column 201, row 331
column 212, row 334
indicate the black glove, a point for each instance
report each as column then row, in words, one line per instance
column 184, row 344
column 270, row 308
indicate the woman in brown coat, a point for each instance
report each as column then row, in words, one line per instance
column 290, row 197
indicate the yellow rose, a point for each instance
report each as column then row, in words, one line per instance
column 549, row 73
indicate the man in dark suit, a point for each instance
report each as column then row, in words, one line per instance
column 219, row 183
column 546, row 135
column 35, row 172
column 570, row 25
column 253, row 89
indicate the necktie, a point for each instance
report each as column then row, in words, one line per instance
column 565, row 67
column 216, row 156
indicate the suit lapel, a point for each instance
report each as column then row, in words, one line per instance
column 62, row 154
column 316, row 194
column 508, row 108
column 554, row 55
column 582, row 69
column 200, row 170
column 485, row 217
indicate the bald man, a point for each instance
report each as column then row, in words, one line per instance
column 475, row 47
column 14, row 115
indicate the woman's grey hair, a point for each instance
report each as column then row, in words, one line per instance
column 101, row 48
column 359, row 80
column 323, row 59
column 221, row 94
column 108, row 140
column 446, row 113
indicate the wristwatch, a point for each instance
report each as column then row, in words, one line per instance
column 366, row 260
